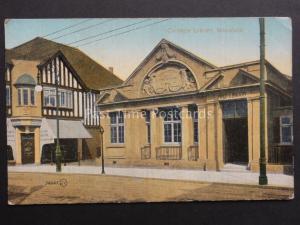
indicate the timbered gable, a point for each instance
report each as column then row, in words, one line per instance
column 67, row 76
column 80, row 100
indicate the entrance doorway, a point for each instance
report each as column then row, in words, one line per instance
column 236, row 140
column 235, row 131
column 27, row 148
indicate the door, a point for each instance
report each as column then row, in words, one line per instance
column 27, row 145
column 236, row 140
column 235, row 131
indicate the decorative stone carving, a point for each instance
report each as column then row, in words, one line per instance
column 168, row 80
column 165, row 53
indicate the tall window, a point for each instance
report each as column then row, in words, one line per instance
column 8, row 101
column 65, row 98
column 116, row 127
column 286, row 130
column 147, row 119
column 195, row 124
column 172, row 126
column 26, row 96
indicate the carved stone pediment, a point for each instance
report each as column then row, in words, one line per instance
column 165, row 53
column 168, row 79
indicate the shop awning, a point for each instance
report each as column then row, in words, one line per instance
column 68, row 129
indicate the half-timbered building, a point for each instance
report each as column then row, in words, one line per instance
column 31, row 113
column 179, row 110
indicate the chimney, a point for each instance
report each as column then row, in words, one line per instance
column 111, row 69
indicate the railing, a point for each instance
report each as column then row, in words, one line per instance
column 168, row 153
column 193, row 153
column 281, row 154
column 146, row 152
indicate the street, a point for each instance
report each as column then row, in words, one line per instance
column 51, row 188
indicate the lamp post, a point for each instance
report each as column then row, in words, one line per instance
column 58, row 149
column 101, row 142
column 102, row 150
column 263, row 180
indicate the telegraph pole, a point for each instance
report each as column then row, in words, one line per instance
column 263, row 179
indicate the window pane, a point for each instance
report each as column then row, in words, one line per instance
column 286, row 133
column 228, row 109
column 147, row 116
column 7, row 95
column 148, row 133
column 19, row 97
column 196, row 132
column 113, row 134
column 121, row 134
column 168, row 132
column 25, row 96
column 177, row 132
column 32, row 96
column 241, row 108
column 62, row 99
column 52, row 100
column 121, row 117
column 113, row 117
column 176, row 114
column 285, row 120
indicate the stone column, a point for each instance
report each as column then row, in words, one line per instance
column 186, row 131
column 250, row 130
column 154, row 132
column 37, row 146
column 105, row 123
column 219, row 130
column 254, row 133
column 212, row 162
column 202, row 133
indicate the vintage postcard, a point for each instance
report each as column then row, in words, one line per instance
column 149, row 109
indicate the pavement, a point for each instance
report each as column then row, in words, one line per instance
column 229, row 177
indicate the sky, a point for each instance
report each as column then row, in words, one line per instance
column 124, row 43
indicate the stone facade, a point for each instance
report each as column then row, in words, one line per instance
column 171, row 77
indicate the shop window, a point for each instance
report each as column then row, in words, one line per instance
column 116, row 127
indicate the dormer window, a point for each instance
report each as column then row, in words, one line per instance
column 25, row 85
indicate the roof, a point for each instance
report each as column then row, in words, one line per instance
column 91, row 73
column 195, row 57
column 25, row 79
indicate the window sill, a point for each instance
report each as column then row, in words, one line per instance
column 54, row 107
column 23, row 106
column 116, row 146
column 171, row 145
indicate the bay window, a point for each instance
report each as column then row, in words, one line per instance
column 26, row 96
